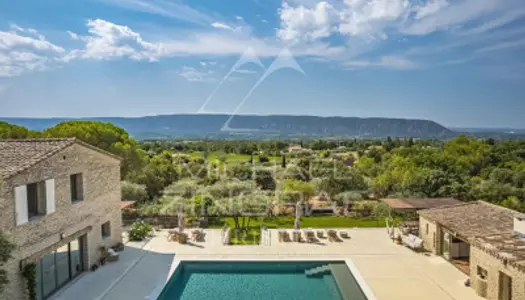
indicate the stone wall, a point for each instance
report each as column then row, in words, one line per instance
column 101, row 203
column 430, row 242
column 494, row 266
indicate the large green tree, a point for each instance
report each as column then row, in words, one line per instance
column 11, row 131
column 105, row 136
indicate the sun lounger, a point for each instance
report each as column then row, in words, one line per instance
column 332, row 236
column 286, row 237
column 283, row 235
column 412, row 241
column 108, row 254
column 177, row 236
column 344, row 234
column 310, row 236
column 197, row 235
column 172, row 235
column 296, row 236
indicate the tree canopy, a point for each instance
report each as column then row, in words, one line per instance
column 105, row 136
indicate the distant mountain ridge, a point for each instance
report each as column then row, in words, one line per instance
column 208, row 125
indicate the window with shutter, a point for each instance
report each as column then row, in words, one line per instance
column 36, row 199
column 50, row 196
column 21, row 205
column 77, row 187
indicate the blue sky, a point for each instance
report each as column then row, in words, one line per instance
column 457, row 62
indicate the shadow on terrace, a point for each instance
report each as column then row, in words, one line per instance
column 121, row 279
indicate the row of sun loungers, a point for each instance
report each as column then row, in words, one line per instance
column 311, row 236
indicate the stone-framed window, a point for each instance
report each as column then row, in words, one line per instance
column 77, row 187
column 481, row 272
column 36, row 199
column 105, row 230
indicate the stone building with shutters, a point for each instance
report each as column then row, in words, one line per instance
column 59, row 204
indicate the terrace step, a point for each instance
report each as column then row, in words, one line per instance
column 317, row 271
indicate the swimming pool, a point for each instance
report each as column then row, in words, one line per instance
column 276, row 280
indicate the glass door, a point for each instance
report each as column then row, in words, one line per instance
column 57, row 268
column 75, row 253
column 505, row 286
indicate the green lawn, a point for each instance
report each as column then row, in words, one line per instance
column 250, row 237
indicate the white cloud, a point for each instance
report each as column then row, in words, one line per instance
column 108, row 40
column 498, row 22
column 388, row 62
column 502, row 46
column 171, row 9
column 246, row 71
column 221, row 26
column 194, row 75
column 430, row 8
column 310, row 24
column 111, row 41
column 370, row 18
column 207, row 64
column 452, row 15
column 9, row 40
column 361, row 26
column 25, row 49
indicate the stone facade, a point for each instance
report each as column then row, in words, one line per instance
column 490, row 286
column 430, row 233
column 100, row 204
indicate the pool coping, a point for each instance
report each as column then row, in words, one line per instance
column 353, row 269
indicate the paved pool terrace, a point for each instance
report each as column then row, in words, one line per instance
column 390, row 271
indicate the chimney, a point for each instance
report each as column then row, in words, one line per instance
column 519, row 225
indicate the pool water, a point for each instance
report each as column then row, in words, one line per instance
column 262, row 280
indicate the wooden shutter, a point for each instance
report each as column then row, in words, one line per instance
column 50, row 196
column 21, row 205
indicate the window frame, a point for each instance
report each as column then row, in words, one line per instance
column 481, row 272
column 76, row 186
column 105, row 232
column 38, row 195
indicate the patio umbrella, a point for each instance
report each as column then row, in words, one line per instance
column 298, row 212
column 180, row 218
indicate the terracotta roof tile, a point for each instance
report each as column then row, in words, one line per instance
column 472, row 219
column 18, row 155
column 419, row 203
column 506, row 247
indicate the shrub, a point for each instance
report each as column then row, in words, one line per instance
column 150, row 210
column 381, row 210
column 6, row 248
column 134, row 192
column 263, row 158
column 264, row 179
column 139, row 231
